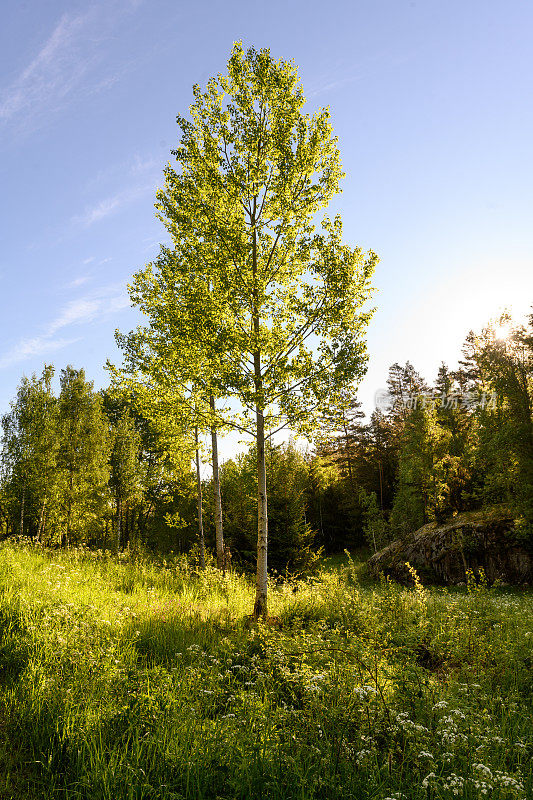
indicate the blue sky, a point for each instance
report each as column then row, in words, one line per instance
column 432, row 103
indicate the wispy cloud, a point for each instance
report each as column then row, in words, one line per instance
column 77, row 282
column 75, row 60
column 110, row 205
column 137, row 166
column 89, row 269
column 51, row 75
column 328, row 83
column 152, row 244
column 74, row 313
column 342, row 71
column 95, row 306
column 29, row 348
column 142, row 164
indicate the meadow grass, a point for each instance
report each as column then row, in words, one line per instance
column 125, row 678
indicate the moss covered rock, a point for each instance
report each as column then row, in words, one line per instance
column 442, row 553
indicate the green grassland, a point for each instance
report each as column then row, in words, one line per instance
column 126, row 678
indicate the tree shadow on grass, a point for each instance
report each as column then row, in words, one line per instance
column 14, row 647
column 167, row 634
column 36, row 755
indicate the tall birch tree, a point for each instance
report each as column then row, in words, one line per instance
column 279, row 305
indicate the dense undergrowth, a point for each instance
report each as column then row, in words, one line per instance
column 123, row 678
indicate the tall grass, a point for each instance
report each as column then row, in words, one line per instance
column 127, row 678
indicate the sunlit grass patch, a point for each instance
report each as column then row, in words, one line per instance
column 128, row 678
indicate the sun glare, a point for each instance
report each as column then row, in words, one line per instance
column 503, row 330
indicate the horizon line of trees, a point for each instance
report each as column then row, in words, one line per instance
column 86, row 467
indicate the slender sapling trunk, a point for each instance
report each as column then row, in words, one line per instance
column 260, row 607
column 219, row 532
column 22, row 509
column 41, row 522
column 119, row 520
column 199, row 494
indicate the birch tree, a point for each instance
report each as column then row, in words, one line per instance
column 125, row 470
column 277, row 305
column 159, row 374
column 83, row 451
column 29, row 450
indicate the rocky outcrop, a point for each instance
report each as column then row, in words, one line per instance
column 443, row 553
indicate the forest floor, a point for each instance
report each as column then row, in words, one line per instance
column 124, row 678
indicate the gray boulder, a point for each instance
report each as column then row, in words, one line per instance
column 442, row 553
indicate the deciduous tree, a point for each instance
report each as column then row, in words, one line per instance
column 83, row 451
column 279, row 320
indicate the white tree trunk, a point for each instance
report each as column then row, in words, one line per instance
column 199, row 494
column 219, row 532
column 119, row 524
column 261, row 608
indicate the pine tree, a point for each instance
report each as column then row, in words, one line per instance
column 422, row 492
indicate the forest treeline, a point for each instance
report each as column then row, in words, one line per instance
column 85, row 467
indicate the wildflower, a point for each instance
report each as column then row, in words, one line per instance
column 363, row 692
column 362, row 755
column 456, row 713
column 507, row 781
column 484, row 771
column 482, row 787
column 454, row 782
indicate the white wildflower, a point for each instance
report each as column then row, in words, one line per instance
column 428, row 779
